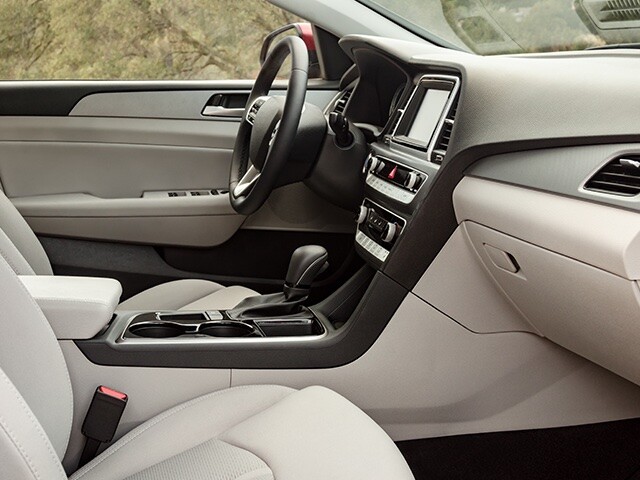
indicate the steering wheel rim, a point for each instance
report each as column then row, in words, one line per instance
column 268, row 129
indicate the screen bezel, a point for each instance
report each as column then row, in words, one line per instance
column 408, row 114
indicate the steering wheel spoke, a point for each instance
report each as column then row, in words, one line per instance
column 246, row 182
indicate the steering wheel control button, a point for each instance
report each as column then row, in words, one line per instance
column 252, row 111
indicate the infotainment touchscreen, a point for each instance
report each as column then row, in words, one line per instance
column 419, row 123
column 428, row 115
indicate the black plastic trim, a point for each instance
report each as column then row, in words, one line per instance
column 337, row 348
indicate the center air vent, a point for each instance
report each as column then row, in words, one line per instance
column 619, row 177
column 340, row 104
column 444, row 136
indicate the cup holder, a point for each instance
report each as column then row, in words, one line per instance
column 227, row 329
column 156, row 330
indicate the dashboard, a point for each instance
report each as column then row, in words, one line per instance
column 430, row 113
column 534, row 160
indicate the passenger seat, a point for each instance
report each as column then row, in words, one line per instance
column 251, row 432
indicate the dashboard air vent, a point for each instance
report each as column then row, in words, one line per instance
column 395, row 117
column 619, row 177
column 620, row 11
column 444, row 136
column 341, row 103
column 611, row 15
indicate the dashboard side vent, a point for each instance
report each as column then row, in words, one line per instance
column 444, row 136
column 397, row 115
column 612, row 15
column 620, row 11
column 618, row 177
column 340, row 104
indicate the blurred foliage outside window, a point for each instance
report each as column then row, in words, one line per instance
column 134, row 39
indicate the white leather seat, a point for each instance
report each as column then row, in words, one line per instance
column 251, row 432
column 22, row 250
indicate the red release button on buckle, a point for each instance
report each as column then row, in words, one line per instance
column 112, row 393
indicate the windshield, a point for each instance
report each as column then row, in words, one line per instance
column 490, row 27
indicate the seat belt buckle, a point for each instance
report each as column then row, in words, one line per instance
column 104, row 414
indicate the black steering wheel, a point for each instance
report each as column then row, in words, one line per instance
column 268, row 129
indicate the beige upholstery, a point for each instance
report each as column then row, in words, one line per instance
column 18, row 244
column 22, row 250
column 76, row 307
column 270, row 432
column 251, row 432
column 190, row 294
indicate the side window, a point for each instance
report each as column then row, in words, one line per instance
column 135, row 39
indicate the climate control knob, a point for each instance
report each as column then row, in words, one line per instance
column 412, row 181
column 389, row 232
column 371, row 163
column 362, row 215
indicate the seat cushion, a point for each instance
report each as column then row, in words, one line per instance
column 188, row 294
column 254, row 432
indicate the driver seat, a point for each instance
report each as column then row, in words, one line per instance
column 22, row 250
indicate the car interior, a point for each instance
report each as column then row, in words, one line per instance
column 405, row 249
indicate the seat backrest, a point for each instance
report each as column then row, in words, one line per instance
column 18, row 244
column 36, row 401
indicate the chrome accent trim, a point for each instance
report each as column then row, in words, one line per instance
column 250, row 177
column 207, row 340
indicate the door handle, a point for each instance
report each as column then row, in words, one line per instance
column 226, row 105
column 218, row 111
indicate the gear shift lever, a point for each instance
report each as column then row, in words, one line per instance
column 305, row 265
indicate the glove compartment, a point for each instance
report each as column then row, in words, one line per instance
column 570, row 268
